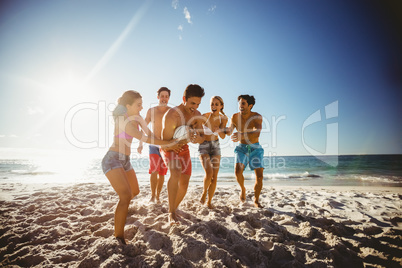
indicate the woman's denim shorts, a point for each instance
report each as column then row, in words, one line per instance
column 210, row 147
column 114, row 160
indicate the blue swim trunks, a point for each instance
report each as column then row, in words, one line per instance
column 154, row 150
column 251, row 154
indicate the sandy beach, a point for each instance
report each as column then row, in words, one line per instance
column 314, row 226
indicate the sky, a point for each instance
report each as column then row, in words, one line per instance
column 326, row 75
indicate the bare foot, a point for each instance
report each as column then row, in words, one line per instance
column 172, row 218
column 243, row 195
column 210, row 206
column 203, row 197
column 152, row 200
column 257, row 204
column 158, row 201
column 122, row 240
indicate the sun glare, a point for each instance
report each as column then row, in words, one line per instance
column 67, row 87
column 66, row 165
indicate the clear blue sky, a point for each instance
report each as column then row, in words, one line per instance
column 295, row 57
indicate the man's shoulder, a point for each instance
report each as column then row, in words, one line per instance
column 197, row 113
column 160, row 109
column 164, row 106
column 174, row 111
column 151, row 109
column 235, row 115
column 255, row 114
column 157, row 108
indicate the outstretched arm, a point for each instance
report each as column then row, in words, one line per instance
column 222, row 128
column 229, row 130
column 147, row 120
column 132, row 129
column 197, row 135
column 249, row 132
column 143, row 124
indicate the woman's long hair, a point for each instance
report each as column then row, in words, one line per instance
column 128, row 97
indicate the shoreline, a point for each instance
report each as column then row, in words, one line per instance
column 10, row 191
column 339, row 188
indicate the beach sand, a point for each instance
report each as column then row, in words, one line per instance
column 72, row 226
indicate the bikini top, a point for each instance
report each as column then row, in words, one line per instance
column 207, row 130
column 124, row 135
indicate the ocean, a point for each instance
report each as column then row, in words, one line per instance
column 344, row 170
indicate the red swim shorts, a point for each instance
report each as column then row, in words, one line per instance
column 183, row 156
column 156, row 164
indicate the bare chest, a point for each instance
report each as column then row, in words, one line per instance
column 157, row 114
column 244, row 124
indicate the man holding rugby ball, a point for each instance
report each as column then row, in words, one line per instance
column 179, row 164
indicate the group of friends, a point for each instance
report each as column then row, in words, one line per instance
column 167, row 153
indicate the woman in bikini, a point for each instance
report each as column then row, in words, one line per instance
column 116, row 163
column 210, row 151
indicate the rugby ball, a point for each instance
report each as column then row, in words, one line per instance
column 182, row 133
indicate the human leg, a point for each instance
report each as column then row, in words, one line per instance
column 257, row 164
column 239, row 168
column 153, row 182
column 159, row 186
column 258, row 186
column 215, row 160
column 178, row 164
column 154, row 158
column 158, row 170
column 206, row 164
column 133, row 182
column 186, row 168
column 172, row 188
column 241, row 161
column 182, row 189
column 119, row 181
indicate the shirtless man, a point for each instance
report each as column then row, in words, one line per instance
column 179, row 164
column 249, row 151
column 156, row 164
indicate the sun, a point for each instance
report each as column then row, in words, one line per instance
column 67, row 87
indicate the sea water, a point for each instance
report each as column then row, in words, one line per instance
column 344, row 170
